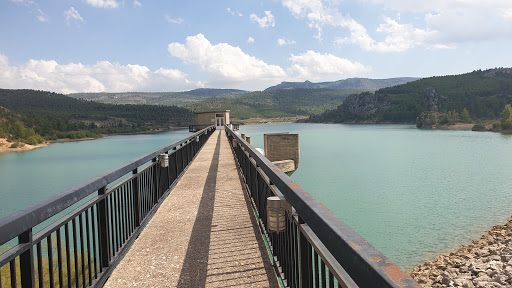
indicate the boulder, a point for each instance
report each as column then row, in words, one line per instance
column 478, row 127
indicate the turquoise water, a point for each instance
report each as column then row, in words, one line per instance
column 412, row 193
column 29, row 177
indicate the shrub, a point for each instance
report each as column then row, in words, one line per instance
column 34, row 140
column 17, row 144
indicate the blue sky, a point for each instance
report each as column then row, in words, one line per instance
column 149, row 45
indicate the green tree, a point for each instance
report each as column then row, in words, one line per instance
column 506, row 117
column 464, row 116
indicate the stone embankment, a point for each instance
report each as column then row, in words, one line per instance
column 482, row 263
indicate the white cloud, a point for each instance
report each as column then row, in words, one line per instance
column 399, row 37
column 42, row 17
column 434, row 6
column 282, row 42
column 316, row 66
column 229, row 66
column 469, row 26
column 234, row 13
column 102, row 76
column 173, row 20
column 265, row 21
column 103, row 3
column 33, row 9
column 72, row 14
column 24, row 2
column 226, row 64
column 458, row 21
column 250, row 40
column 137, row 3
column 506, row 13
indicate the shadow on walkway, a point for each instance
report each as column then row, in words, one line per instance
column 194, row 271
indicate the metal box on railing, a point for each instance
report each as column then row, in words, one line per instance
column 276, row 214
column 164, row 160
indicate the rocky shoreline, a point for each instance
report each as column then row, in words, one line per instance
column 482, row 263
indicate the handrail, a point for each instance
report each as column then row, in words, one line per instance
column 367, row 266
column 99, row 231
column 18, row 222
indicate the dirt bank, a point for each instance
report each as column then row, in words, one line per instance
column 5, row 146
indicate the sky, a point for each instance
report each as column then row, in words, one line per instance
column 69, row 46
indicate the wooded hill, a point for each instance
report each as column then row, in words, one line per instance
column 159, row 98
column 55, row 116
column 484, row 94
column 276, row 103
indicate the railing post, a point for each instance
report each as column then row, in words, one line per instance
column 136, row 198
column 306, row 269
column 155, row 181
column 27, row 260
column 103, row 234
column 169, row 183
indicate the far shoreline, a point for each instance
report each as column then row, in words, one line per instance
column 5, row 145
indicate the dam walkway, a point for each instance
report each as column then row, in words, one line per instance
column 204, row 233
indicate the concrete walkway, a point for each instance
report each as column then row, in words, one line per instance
column 202, row 235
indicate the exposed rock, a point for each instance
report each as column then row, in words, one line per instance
column 364, row 106
column 431, row 100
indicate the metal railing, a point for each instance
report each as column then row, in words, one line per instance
column 317, row 249
column 97, row 221
column 197, row 127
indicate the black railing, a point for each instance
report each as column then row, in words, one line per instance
column 317, row 249
column 94, row 223
column 195, row 128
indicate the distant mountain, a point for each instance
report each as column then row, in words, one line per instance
column 276, row 103
column 159, row 98
column 209, row 92
column 483, row 94
column 363, row 84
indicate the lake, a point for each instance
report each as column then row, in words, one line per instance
column 412, row 193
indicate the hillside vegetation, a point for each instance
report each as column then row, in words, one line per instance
column 483, row 94
column 55, row 116
column 276, row 103
column 13, row 129
column 159, row 98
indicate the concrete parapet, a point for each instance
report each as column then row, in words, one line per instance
column 282, row 146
